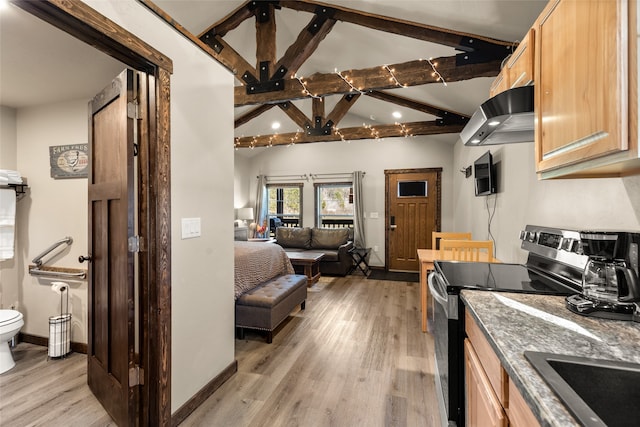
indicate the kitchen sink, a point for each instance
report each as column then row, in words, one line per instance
column 597, row 392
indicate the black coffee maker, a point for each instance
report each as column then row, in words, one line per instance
column 610, row 285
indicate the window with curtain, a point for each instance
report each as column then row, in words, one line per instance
column 285, row 203
column 334, row 205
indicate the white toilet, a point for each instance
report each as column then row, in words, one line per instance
column 10, row 324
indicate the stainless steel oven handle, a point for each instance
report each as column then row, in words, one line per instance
column 438, row 289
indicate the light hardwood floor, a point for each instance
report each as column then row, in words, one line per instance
column 354, row 357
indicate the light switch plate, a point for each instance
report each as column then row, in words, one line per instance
column 190, row 228
column 374, row 214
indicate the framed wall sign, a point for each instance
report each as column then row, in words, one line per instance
column 69, row 161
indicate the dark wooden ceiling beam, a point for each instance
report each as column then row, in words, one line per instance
column 229, row 22
column 454, row 39
column 252, row 114
column 347, row 134
column 412, row 73
column 296, row 114
column 227, row 55
column 265, row 37
column 342, row 107
column 307, row 42
column 416, row 105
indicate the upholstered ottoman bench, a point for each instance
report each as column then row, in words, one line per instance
column 267, row 305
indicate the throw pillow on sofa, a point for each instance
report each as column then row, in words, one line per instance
column 294, row 237
column 329, row 238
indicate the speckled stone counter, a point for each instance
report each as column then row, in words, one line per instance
column 514, row 323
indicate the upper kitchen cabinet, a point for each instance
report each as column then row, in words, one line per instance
column 518, row 68
column 586, row 89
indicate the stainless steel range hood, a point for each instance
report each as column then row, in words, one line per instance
column 503, row 119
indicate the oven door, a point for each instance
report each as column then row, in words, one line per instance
column 448, row 338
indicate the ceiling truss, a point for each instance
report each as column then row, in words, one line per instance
column 273, row 81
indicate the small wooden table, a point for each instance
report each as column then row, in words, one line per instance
column 307, row 263
column 426, row 257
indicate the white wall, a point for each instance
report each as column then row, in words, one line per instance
column 51, row 210
column 8, row 160
column 372, row 157
column 602, row 203
column 202, row 335
column 242, row 182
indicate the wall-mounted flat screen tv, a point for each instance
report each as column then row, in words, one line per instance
column 485, row 175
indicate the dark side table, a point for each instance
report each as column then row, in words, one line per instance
column 360, row 257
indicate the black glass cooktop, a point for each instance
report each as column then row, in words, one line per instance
column 500, row 277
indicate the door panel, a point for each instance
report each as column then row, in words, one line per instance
column 414, row 217
column 111, row 346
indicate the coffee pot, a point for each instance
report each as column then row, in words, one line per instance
column 610, row 285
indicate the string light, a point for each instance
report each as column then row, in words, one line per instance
column 393, row 77
column 304, row 87
column 435, row 73
column 347, row 81
column 404, row 130
column 294, row 138
column 337, row 132
column 374, row 133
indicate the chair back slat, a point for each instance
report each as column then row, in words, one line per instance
column 436, row 236
column 466, row 250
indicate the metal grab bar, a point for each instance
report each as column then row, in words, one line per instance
column 38, row 260
column 35, row 271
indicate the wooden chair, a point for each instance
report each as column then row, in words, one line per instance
column 466, row 250
column 436, row 236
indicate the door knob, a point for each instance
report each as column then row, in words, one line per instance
column 82, row 259
column 393, row 226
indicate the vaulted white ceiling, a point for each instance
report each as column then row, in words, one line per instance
column 40, row 64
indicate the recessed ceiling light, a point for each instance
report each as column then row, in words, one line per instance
column 275, row 125
column 397, row 114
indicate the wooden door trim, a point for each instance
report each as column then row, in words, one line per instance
column 438, row 223
column 86, row 24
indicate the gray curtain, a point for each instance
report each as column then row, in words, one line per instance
column 261, row 200
column 358, row 211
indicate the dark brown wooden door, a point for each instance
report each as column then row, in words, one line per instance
column 412, row 213
column 111, row 347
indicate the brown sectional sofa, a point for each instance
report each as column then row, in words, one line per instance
column 335, row 243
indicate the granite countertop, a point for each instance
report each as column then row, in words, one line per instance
column 514, row 323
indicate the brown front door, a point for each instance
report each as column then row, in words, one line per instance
column 111, row 346
column 412, row 213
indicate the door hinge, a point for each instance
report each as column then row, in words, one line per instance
column 136, row 376
column 133, row 110
column 135, row 244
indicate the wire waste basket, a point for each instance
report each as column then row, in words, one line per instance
column 60, row 325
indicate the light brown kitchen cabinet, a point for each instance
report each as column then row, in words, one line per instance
column 585, row 100
column 492, row 399
column 483, row 407
column 518, row 68
column 520, row 414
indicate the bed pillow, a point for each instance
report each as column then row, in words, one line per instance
column 294, row 237
column 329, row 238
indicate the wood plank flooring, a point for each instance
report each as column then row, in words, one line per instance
column 54, row 392
column 354, row 357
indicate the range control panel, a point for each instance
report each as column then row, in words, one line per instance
column 558, row 244
column 556, row 239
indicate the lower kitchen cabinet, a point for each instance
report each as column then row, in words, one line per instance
column 492, row 399
column 483, row 407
